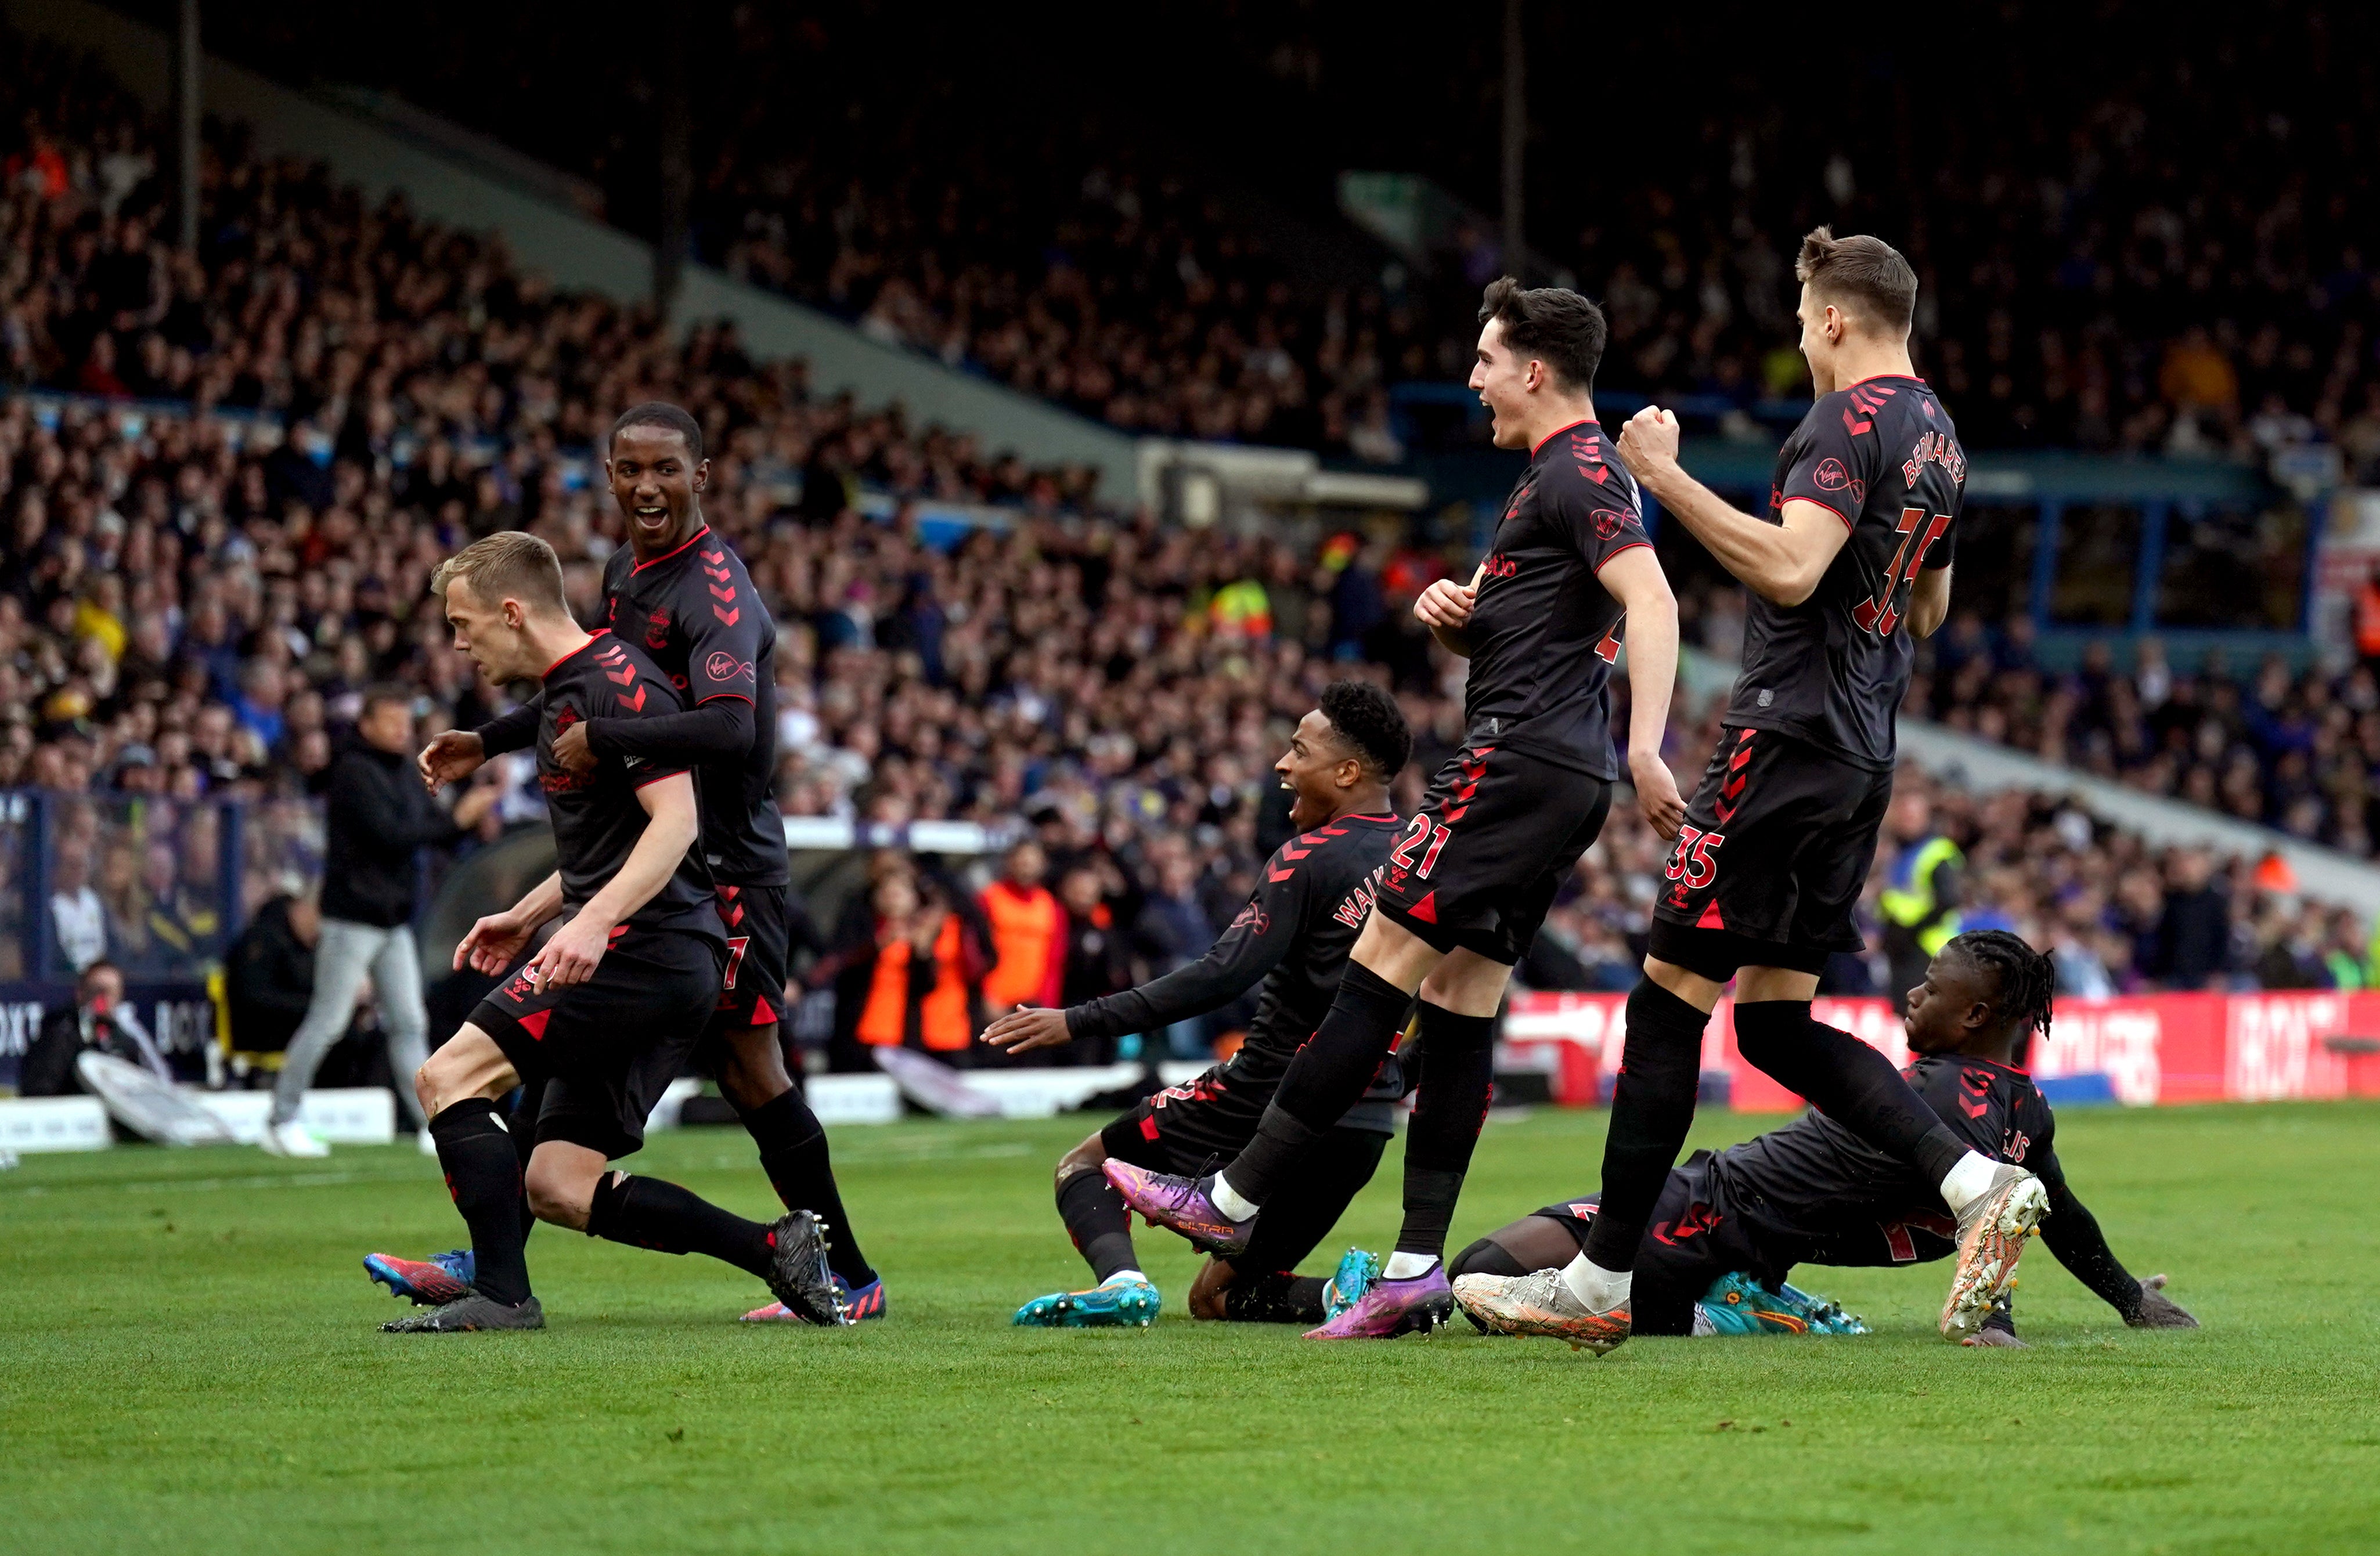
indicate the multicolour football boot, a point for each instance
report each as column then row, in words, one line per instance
column 1736, row 1303
column 431, row 1282
column 1121, row 1301
column 1181, row 1204
column 1356, row 1271
column 1389, row 1309
column 867, row 1302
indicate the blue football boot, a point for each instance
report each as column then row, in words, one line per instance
column 1120, row 1302
column 1356, row 1271
column 431, row 1282
column 1736, row 1303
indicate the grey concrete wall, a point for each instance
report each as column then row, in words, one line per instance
column 580, row 253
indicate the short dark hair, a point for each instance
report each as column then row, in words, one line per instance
column 1552, row 323
column 383, row 694
column 659, row 413
column 1371, row 724
column 1866, row 272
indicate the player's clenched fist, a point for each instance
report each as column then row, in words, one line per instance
column 1650, row 438
column 1445, row 603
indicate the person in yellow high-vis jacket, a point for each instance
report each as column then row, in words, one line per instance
column 1922, row 892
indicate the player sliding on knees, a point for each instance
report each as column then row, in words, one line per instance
column 1293, row 934
column 603, row 1015
column 682, row 595
column 1729, row 1227
column 1504, row 821
column 1852, row 562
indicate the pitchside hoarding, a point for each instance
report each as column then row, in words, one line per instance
column 2153, row 1048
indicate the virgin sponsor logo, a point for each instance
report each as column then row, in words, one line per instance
column 725, row 666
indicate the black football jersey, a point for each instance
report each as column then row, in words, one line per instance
column 1544, row 633
column 695, row 611
column 1821, row 1191
column 1882, row 457
column 1294, row 934
column 597, row 819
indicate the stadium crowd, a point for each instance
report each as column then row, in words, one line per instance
column 193, row 605
column 2161, row 277
column 2295, row 751
column 2156, row 282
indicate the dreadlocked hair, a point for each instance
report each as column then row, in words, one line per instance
column 2028, row 979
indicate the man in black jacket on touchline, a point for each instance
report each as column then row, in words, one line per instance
column 380, row 821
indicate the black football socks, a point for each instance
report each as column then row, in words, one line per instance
column 528, row 1101
column 1652, row 1107
column 1280, row 1298
column 483, row 1174
column 1848, row 1081
column 1327, row 1077
column 1098, row 1222
column 1448, row 1112
column 793, row 1153
column 654, row 1213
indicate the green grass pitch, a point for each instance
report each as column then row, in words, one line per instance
column 189, row 1361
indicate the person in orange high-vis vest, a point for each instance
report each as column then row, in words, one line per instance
column 919, row 990
column 1029, row 933
column 2367, row 618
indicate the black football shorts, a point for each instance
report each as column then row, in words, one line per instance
column 1198, row 1126
column 1772, row 858
column 1694, row 1238
column 1481, row 860
column 752, row 986
column 607, row 1047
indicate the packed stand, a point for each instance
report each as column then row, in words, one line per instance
column 191, row 607
column 2296, row 750
column 2150, row 273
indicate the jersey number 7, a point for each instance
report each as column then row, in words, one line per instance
column 1881, row 614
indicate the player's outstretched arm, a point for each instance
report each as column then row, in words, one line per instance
column 1929, row 601
column 2073, row 1234
column 1236, row 963
column 1780, row 563
column 1634, row 577
column 671, row 828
